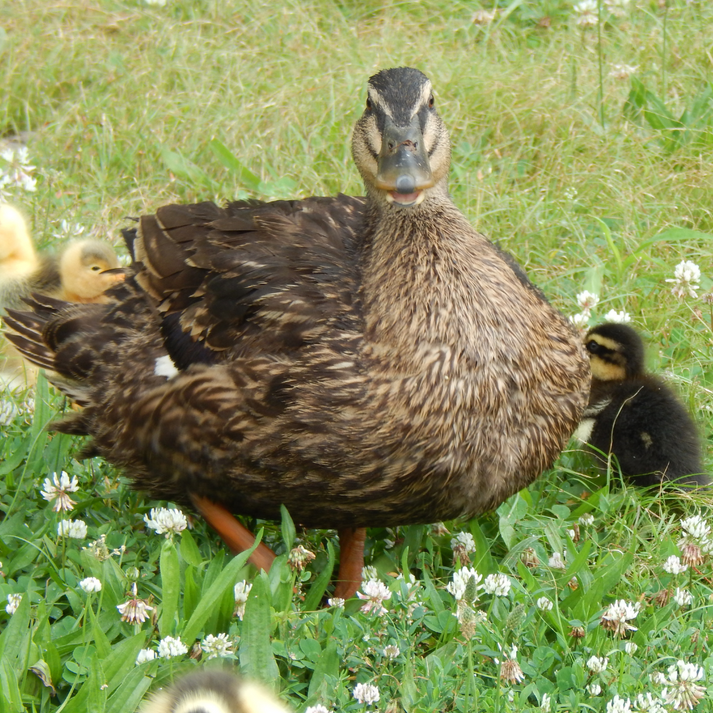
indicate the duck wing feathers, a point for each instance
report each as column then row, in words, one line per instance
column 250, row 278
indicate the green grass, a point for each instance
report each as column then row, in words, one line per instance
column 127, row 106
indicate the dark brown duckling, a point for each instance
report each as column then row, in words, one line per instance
column 365, row 362
column 634, row 416
column 213, row 691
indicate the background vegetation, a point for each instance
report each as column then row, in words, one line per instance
column 594, row 175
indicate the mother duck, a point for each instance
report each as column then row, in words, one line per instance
column 365, row 362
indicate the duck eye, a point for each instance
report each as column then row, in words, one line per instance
column 431, row 102
column 368, row 104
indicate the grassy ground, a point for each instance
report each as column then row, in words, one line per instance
column 593, row 182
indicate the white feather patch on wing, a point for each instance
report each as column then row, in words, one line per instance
column 165, row 367
column 584, row 430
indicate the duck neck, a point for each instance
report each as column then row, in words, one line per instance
column 419, row 288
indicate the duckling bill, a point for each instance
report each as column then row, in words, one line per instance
column 634, row 416
column 363, row 361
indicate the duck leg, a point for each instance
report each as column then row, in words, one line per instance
column 351, row 561
column 235, row 535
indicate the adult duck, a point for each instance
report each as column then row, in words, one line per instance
column 363, row 361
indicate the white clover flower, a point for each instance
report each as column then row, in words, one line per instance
column 165, row 521
column 682, row 692
column 68, row 230
column 76, row 529
column 369, row 572
column 619, row 705
column 617, row 616
column 391, row 651
column 673, row 565
column 410, row 583
column 59, row 488
column 622, row 71
column 13, row 602
column 580, row 321
column 586, row 6
column 319, row 708
column 157, row 3
column 658, row 678
column 170, row 647
column 544, row 604
column 630, row 647
column 91, row 584
column 375, row 593
column 587, row 300
column 646, row 703
column 682, row 597
column 597, row 664
column 510, row 670
column 685, row 280
column 546, row 702
column 8, row 410
column 696, row 528
column 483, row 17
column 587, row 18
column 619, row 317
column 586, row 519
column 217, row 646
column 463, row 541
column 461, row 577
column 556, row 561
column 594, row 689
column 241, row 591
column 571, row 193
column 16, row 173
column 134, row 610
column 617, row 7
column 299, row 558
column 366, row 693
column 498, row 584
column 145, row 655
column 336, row 602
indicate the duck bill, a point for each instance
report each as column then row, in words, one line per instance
column 404, row 170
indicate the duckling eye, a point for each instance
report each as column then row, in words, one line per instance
column 431, row 102
column 592, row 346
column 96, row 268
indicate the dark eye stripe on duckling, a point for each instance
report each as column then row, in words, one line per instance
column 607, row 362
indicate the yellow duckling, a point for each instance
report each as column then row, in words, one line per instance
column 212, row 691
column 82, row 272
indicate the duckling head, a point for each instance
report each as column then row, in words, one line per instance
column 214, row 692
column 616, row 352
column 400, row 144
column 87, row 269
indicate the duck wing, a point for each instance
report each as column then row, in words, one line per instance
column 250, row 278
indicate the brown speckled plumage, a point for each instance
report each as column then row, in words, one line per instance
column 361, row 361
